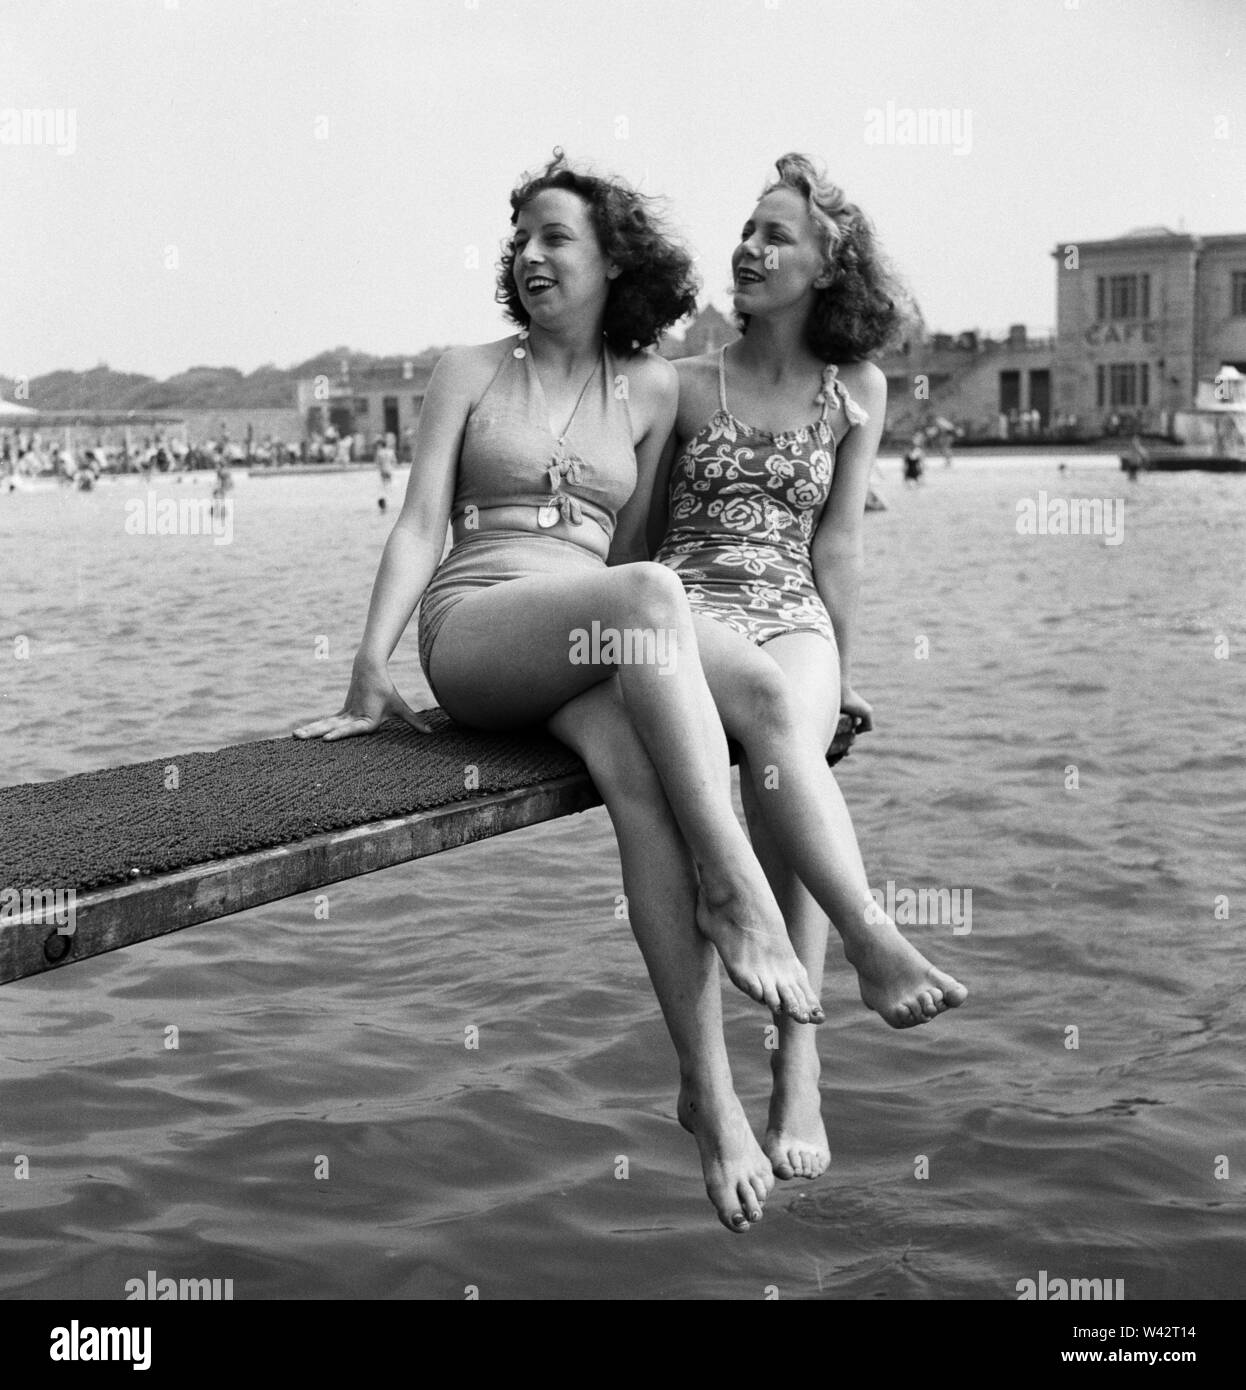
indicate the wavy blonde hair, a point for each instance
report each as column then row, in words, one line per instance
column 857, row 314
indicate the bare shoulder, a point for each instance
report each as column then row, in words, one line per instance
column 652, row 390
column 694, row 370
column 698, row 392
column 650, row 373
column 866, row 383
column 467, row 371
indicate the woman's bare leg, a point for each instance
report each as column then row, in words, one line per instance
column 780, row 702
column 503, row 658
column 795, row 1141
column 660, row 882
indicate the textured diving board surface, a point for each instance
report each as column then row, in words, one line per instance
column 157, row 846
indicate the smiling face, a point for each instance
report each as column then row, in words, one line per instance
column 560, row 269
column 779, row 261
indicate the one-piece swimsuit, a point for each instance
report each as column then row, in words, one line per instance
column 509, row 457
column 743, row 507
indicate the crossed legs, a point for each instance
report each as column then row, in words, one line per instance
column 502, row 658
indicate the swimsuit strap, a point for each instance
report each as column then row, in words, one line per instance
column 827, row 393
column 834, row 388
column 832, row 394
column 614, row 386
column 560, row 439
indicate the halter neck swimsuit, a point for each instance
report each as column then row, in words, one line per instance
column 510, row 457
column 743, row 507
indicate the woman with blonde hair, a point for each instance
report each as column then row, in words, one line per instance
column 758, row 508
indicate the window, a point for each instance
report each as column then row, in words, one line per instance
column 1128, row 383
column 1009, row 392
column 1122, row 297
column 1238, row 306
column 361, row 405
column 1121, row 383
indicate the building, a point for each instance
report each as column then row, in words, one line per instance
column 238, row 424
column 1143, row 319
column 989, row 388
column 373, row 402
column 707, row 331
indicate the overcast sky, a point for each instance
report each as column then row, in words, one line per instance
column 250, row 182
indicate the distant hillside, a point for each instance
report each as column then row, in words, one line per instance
column 198, row 388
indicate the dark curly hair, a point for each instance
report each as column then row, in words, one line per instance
column 857, row 314
column 656, row 285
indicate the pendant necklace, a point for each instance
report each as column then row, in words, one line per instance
column 564, row 462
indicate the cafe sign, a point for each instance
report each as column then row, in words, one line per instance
column 1099, row 334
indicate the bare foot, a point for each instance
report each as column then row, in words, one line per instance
column 795, row 1140
column 737, row 1173
column 749, row 935
column 896, row 980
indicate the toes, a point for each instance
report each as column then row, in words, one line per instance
column 730, row 1210
column 813, row 1005
column 731, row 1204
column 750, row 1203
column 793, row 1004
column 770, row 995
column 782, row 1167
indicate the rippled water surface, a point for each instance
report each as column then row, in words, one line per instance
column 306, row 1042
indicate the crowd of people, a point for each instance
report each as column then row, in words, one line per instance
column 33, row 454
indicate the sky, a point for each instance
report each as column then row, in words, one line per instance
column 233, row 184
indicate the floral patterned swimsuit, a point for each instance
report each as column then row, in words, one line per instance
column 743, row 507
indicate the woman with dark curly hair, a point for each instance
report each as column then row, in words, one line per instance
column 540, row 450
column 762, row 522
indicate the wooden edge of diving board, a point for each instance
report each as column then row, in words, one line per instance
column 106, row 919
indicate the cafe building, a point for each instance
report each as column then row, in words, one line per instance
column 1141, row 321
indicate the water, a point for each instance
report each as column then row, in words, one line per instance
column 306, row 1044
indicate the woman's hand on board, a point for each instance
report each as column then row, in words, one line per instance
column 371, row 699
column 860, row 711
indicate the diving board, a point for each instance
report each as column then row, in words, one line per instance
column 150, row 848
